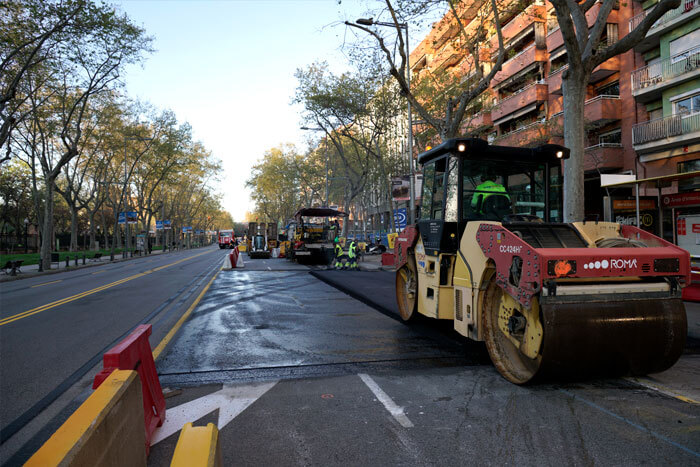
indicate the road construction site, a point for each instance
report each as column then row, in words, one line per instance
column 299, row 364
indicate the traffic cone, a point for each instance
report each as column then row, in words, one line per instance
column 239, row 263
column 227, row 262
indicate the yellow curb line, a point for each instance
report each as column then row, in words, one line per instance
column 46, row 283
column 663, row 390
column 48, row 306
column 159, row 349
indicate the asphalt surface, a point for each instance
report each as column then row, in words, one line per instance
column 297, row 372
column 55, row 328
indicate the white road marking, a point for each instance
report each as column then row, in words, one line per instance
column 390, row 405
column 230, row 400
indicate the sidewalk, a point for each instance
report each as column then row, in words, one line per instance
column 32, row 270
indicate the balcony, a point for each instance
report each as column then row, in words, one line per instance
column 666, row 132
column 533, row 134
column 598, row 111
column 531, row 14
column 555, row 39
column 688, row 10
column 649, row 81
column 531, row 94
column 604, row 156
column 477, row 122
column 521, row 61
column 554, row 80
column 605, row 69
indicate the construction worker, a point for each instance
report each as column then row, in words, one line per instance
column 352, row 254
column 488, row 187
column 339, row 253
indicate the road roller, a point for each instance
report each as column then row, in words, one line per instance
column 491, row 252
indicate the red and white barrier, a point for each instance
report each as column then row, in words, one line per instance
column 233, row 259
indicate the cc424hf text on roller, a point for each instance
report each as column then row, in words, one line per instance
column 550, row 299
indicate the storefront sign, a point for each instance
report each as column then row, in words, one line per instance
column 681, row 199
column 631, row 205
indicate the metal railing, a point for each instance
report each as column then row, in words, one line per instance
column 661, row 71
column 603, row 145
column 522, row 128
column 519, row 91
column 665, row 127
column 686, row 6
column 593, row 99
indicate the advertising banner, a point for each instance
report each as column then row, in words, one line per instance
column 400, row 188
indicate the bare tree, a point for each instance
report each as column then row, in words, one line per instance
column 585, row 52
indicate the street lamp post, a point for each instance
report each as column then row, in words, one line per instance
column 26, row 227
column 404, row 26
column 327, row 158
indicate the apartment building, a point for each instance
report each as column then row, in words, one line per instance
column 666, row 88
column 523, row 105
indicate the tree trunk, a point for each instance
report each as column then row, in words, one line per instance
column 91, row 221
column 73, row 229
column 574, row 89
column 47, row 229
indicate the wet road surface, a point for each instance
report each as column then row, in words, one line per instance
column 296, row 372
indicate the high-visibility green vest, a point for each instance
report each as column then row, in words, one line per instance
column 352, row 250
column 486, row 189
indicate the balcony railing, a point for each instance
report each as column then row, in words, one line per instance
column 686, row 5
column 519, row 91
column 602, row 146
column 521, row 129
column 664, row 70
column 665, row 127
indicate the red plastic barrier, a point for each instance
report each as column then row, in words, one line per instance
column 234, row 256
column 134, row 353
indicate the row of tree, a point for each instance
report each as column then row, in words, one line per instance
column 74, row 141
column 359, row 113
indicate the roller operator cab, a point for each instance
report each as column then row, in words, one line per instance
column 491, row 252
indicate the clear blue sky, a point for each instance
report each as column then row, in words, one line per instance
column 227, row 68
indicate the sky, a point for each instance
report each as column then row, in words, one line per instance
column 227, row 68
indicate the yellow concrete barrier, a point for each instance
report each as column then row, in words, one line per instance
column 106, row 430
column 197, row 446
column 242, row 247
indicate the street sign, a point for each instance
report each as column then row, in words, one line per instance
column 159, row 225
column 400, row 217
column 187, row 230
column 166, row 225
column 132, row 215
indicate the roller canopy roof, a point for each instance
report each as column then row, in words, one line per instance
column 319, row 212
column 475, row 148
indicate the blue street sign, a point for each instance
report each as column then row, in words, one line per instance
column 159, row 225
column 166, row 224
column 400, row 217
column 133, row 217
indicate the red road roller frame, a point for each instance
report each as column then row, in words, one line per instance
column 134, row 353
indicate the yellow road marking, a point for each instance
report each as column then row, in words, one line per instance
column 157, row 351
column 46, row 283
column 48, row 306
column 99, row 272
column 664, row 390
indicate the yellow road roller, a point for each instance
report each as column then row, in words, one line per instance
column 491, row 252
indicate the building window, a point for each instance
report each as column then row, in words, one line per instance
column 610, row 89
column 689, row 184
column 688, row 166
column 687, row 106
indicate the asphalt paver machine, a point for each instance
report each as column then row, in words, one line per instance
column 257, row 240
column 492, row 253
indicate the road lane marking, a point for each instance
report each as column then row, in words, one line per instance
column 390, row 405
column 46, row 283
column 662, row 389
column 230, row 400
column 163, row 343
column 630, row 422
column 98, row 272
column 72, row 298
